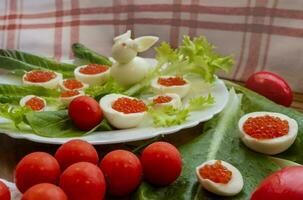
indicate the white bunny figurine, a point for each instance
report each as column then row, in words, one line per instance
column 130, row 68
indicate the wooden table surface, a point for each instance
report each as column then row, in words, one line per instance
column 12, row 150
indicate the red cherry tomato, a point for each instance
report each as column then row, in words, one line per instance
column 285, row 184
column 44, row 191
column 36, row 168
column 122, row 170
column 4, row 192
column 76, row 151
column 162, row 163
column 83, row 181
column 85, row 112
column 271, row 86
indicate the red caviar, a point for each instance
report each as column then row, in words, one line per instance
column 266, row 127
column 72, row 84
column 93, row 69
column 162, row 99
column 128, row 105
column 172, row 81
column 216, row 172
column 39, row 76
column 35, row 103
column 69, row 93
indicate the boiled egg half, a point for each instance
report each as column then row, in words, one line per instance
column 168, row 99
column 72, row 84
column 47, row 79
column 92, row 74
column 67, row 96
column 123, row 111
column 220, row 177
column 268, row 132
column 33, row 102
column 171, row 84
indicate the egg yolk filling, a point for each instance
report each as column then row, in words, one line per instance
column 172, row 81
column 38, row 76
column 93, row 69
column 72, row 84
column 69, row 93
column 266, row 127
column 162, row 99
column 216, row 173
column 35, row 103
column 128, row 105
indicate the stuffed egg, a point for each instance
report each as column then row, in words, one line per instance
column 168, row 99
column 92, row 74
column 72, row 84
column 220, row 177
column 47, row 79
column 33, row 102
column 123, row 111
column 268, row 132
column 67, row 96
column 171, row 84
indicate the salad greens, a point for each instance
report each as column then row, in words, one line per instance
column 220, row 140
column 23, row 90
column 15, row 114
column 82, row 52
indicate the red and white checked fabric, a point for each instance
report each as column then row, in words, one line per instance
column 261, row 34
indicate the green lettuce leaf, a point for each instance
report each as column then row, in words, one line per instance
column 15, row 114
column 220, row 140
column 23, row 90
column 200, row 102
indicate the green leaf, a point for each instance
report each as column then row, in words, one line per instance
column 52, row 124
column 220, row 140
column 38, row 61
column 23, row 90
column 200, row 102
column 15, row 114
column 254, row 102
column 80, row 51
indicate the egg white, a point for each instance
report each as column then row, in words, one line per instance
column 67, row 100
column 118, row 119
column 233, row 187
column 51, row 84
column 25, row 99
column 175, row 102
column 91, row 79
column 181, row 90
column 66, row 89
column 269, row 146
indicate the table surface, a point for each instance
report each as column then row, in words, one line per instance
column 12, row 150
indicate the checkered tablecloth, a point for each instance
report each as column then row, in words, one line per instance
column 262, row 34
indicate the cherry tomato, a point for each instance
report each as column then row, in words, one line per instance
column 38, row 167
column 285, row 184
column 122, row 170
column 162, row 163
column 271, row 86
column 4, row 192
column 44, row 191
column 85, row 112
column 75, row 151
column 83, row 181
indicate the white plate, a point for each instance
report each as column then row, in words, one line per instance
column 15, row 194
column 218, row 91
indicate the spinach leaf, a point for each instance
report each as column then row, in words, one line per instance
column 254, row 102
column 219, row 141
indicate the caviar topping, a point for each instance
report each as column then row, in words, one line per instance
column 69, row 93
column 93, row 69
column 72, row 84
column 172, row 81
column 39, row 76
column 162, row 99
column 128, row 105
column 266, row 127
column 216, row 172
column 35, row 103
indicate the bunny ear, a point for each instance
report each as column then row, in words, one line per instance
column 124, row 36
column 145, row 42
